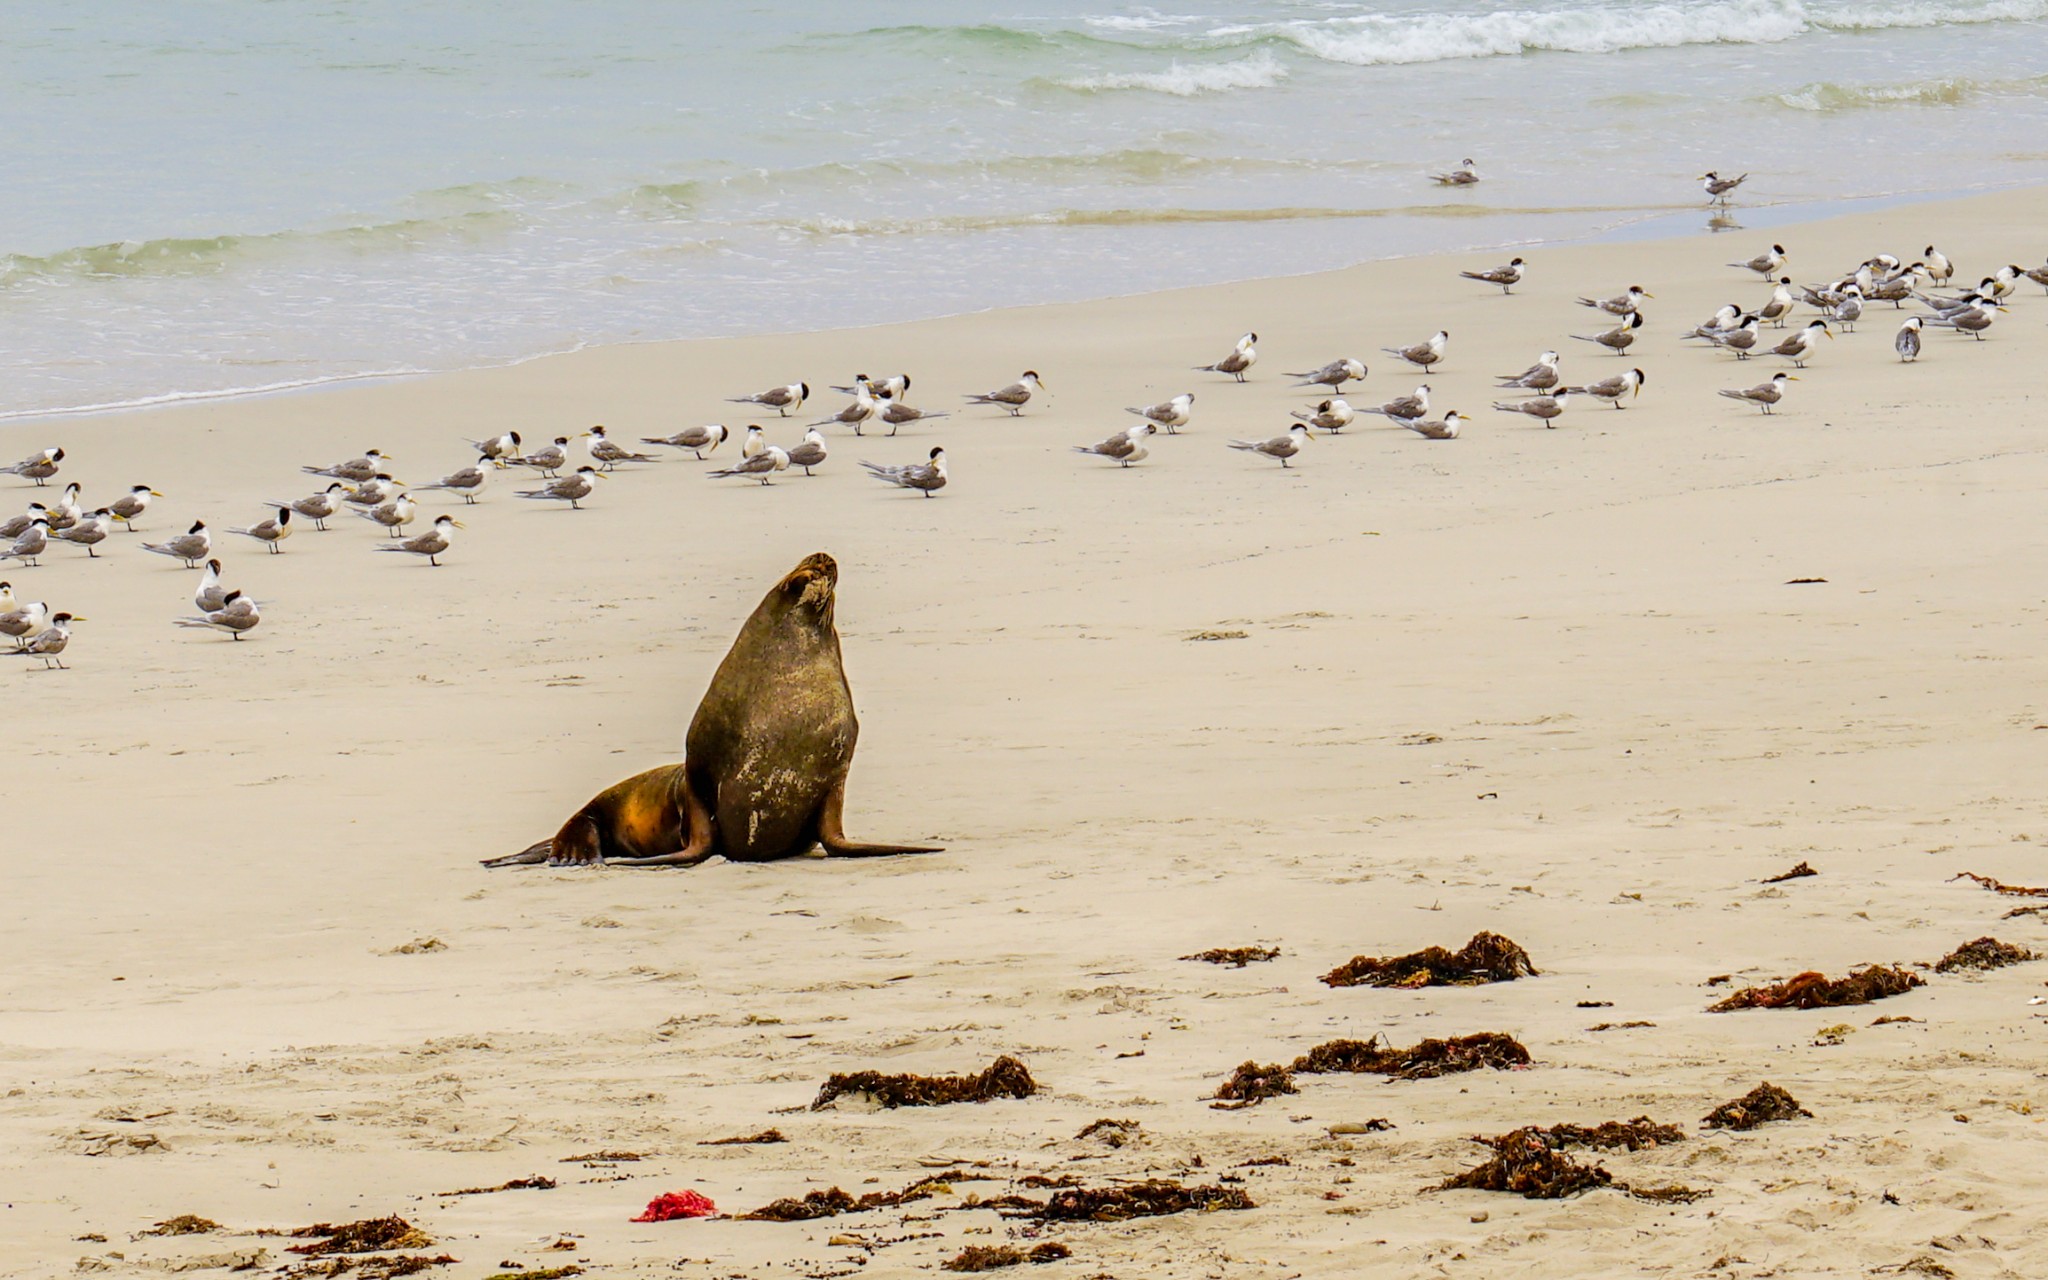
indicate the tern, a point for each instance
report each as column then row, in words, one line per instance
column 608, row 454
column 896, row 413
column 271, row 532
column 698, row 440
column 1764, row 394
column 1172, row 414
column 1013, row 397
column 331, row 501
column 15, row 527
column 1619, row 337
column 1125, row 447
column 1408, row 408
column 237, row 615
column 1242, row 357
column 1615, row 389
column 433, row 544
column 1464, row 175
column 1541, row 376
column 48, row 645
column 780, row 399
column 67, row 510
column 894, row 385
column 1799, row 347
column 191, row 546
column 1907, row 341
column 1939, row 268
column 394, row 515
column 761, row 466
column 810, row 453
column 1780, row 305
column 1544, row 408
column 374, row 492
column 132, row 504
column 1621, row 304
column 862, row 408
column 926, row 477
column 1765, row 264
column 38, row 467
column 1718, row 188
column 499, row 449
column 1445, row 428
column 572, row 488
column 1332, row 415
column 1506, row 277
column 21, row 622
column 355, row 469
column 1281, row 447
column 1425, row 353
column 469, row 482
column 1332, row 375
column 30, row 544
column 548, row 459
column 211, row 594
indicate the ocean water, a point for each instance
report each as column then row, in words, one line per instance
column 211, row 197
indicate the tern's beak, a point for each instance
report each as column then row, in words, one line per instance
column 1791, row 377
column 457, row 523
column 154, row 494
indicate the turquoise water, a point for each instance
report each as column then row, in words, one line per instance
column 204, row 198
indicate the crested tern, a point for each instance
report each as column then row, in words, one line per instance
column 1281, row 447
column 374, row 492
column 1332, row 415
column 1507, row 277
column 1013, row 397
column 1765, row 264
column 1614, row 390
column 780, row 399
column 761, row 466
column 1464, row 175
column 1422, row 355
column 1125, row 447
column 499, row 449
column 191, row 546
column 13, row 527
column 572, row 488
column 132, row 504
column 66, row 511
column 1798, row 347
column 1907, row 341
column 548, row 459
column 331, row 501
column 21, row 623
column 1764, row 394
column 30, row 544
column 608, row 454
column 1621, row 304
column 469, row 481
column 1332, row 375
column 355, row 470
column 90, row 530
column 1172, row 414
column 1408, row 408
column 927, row 477
column 1545, row 408
column 1445, row 428
column 698, row 440
column 433, row 544
column 1780, row 304
column 1541, row 376
column 862, row 408
column 1242, row 357
column 237, row 615
column 38, row 467
column 896, row 413
column 49, row 645
column 1718, row 188
column 272, row 532
column 811, row 452
column 1619, row 337
column 211, row 594
column 394, row 515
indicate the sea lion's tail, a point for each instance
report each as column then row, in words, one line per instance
column 531, row 856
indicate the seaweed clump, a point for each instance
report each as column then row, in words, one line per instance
column 1488, row 957
column 1423, row 1060
column 982, row 1257
column 1236, row 957
column 536, row 1183
column 1252, row 1084
column 1140, row 1200
column 185, row 1224
column 763, row 1138
column 371, row 1235
column 1112, row 1133
column 1526, row 1163
column 1633, row 1135
column 832, row 1201
column 381, row 1268
column 1811, row 990
column 1005, row 1078
column 1984, row 953
column 1997, row 886
column 1761, row 1105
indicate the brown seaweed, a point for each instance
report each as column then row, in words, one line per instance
column 1005, row 1078
column 1252, row 1084
column 185, row 1224
column 1633, row 1135
column 983, row 1257
column 539, row 1273
column 1140, row 1200
column 1526, row 1163
column 2011, row 890
column 1794, row 874
column 1112, row 1133
column 1236, row 957
column 1488, row 957
column 382, row 1268
column 1984, row 953
column 535, row 1183
column 833, row 1201
column 1811, row 990
column 371, row 1235
column 1423, row 1060
column 762, row 1138
column 1762, row 1105
column 1673, row 1194
column 603, row 1157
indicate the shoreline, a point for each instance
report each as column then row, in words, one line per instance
column 1649, row 226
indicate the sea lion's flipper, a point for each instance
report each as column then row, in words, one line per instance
column 700, row 830
column 532, row 855
column 832, row 831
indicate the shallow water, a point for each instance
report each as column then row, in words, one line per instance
column 210, row 197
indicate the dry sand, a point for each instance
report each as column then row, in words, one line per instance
column 1545, row 682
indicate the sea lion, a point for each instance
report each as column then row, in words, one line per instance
column 766, row 757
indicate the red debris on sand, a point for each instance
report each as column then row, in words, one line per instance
column 671, row 1205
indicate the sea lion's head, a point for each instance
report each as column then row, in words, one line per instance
column 809, row 587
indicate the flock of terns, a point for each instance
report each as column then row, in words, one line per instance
column 364, row 486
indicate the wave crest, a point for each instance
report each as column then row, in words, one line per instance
column 1827, row 97
column 1185, row 80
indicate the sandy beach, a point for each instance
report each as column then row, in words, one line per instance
column 1555, row 684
